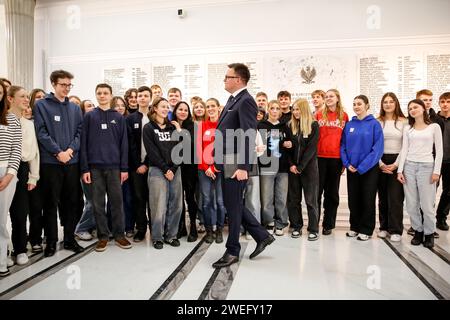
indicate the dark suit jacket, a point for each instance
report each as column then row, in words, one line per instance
column 239, row 113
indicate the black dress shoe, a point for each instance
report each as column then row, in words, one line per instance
column 50, row 250
column 442, row 225
column 225, row 261
column 262, row 245
column 73, row 246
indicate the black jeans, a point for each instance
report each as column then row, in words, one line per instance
column 308, row 180
column 189, row 180
column 362, row 191
column 444, row 203
column 19, row 210
column 139, row 195
column 390, row 199
column 36, row 217
column 60, row 184
column 330, row 170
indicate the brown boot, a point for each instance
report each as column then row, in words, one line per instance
column 219, row 236
column 209, row 237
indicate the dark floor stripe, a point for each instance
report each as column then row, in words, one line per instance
column 33, row 258
column 209, row 284
column 441, row 253
column 43, row 274
column 220, row 282
column 415, row 271
column 167, row 289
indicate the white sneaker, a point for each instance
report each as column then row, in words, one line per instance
column 9, row 262
column 85, row 236
column 396, row 238
column 363, row 237
column 279, row 232
column 382, row 234
column 351, row 234
column 22, row 259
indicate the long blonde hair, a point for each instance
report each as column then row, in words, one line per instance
column 339, row 107
column 302, row 125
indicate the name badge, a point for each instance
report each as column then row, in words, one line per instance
column 104, row 126
column 352, row 129
column 57, row 118
column 136, row 125
column 207, row 133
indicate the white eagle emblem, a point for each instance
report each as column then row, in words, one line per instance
column 308, row 75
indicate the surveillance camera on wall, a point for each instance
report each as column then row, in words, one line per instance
column 181, row 13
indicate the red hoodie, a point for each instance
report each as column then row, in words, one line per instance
column 205, row 144
column 330, row 134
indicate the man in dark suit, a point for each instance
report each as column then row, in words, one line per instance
column 238, row 122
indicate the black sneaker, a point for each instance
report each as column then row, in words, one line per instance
column 411, row 231
column 436, row 235
column 442, row 225
column 326, row 232
column 158, row 244
column 173, row 242
column 139, row 236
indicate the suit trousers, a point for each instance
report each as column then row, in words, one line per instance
column 233, row 196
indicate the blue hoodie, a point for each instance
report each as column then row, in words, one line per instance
column 104, row 142
column 362, row 143
column 58, row 127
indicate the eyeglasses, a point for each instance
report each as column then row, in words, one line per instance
column 230, row 77
column 66, row 85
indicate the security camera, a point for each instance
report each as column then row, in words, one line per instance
column 181, row 13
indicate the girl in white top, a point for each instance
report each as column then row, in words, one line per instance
column 28, row 173
column 390, row 190
column 418, row 171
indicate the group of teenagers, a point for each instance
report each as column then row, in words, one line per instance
column 126, row 152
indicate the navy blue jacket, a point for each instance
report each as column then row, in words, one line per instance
column 58, row 127
column 104, row 142
column 238, row 113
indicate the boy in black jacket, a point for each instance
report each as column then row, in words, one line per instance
column 138, row 161
column 104, row 163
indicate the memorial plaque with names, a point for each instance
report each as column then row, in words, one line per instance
column 438, row 74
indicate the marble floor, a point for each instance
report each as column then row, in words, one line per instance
column 333, row 267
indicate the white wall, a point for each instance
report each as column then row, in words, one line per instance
column 3, row 59
column 117, row 29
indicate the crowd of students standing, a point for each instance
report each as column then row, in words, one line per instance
column 110, row 171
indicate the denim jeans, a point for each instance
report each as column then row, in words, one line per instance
column 420, row 194
column 213, row 207
column 165, row 204
column 274, row 189
column 253, row 197
column 87, row 221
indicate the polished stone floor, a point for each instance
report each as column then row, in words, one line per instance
column 333, row 267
